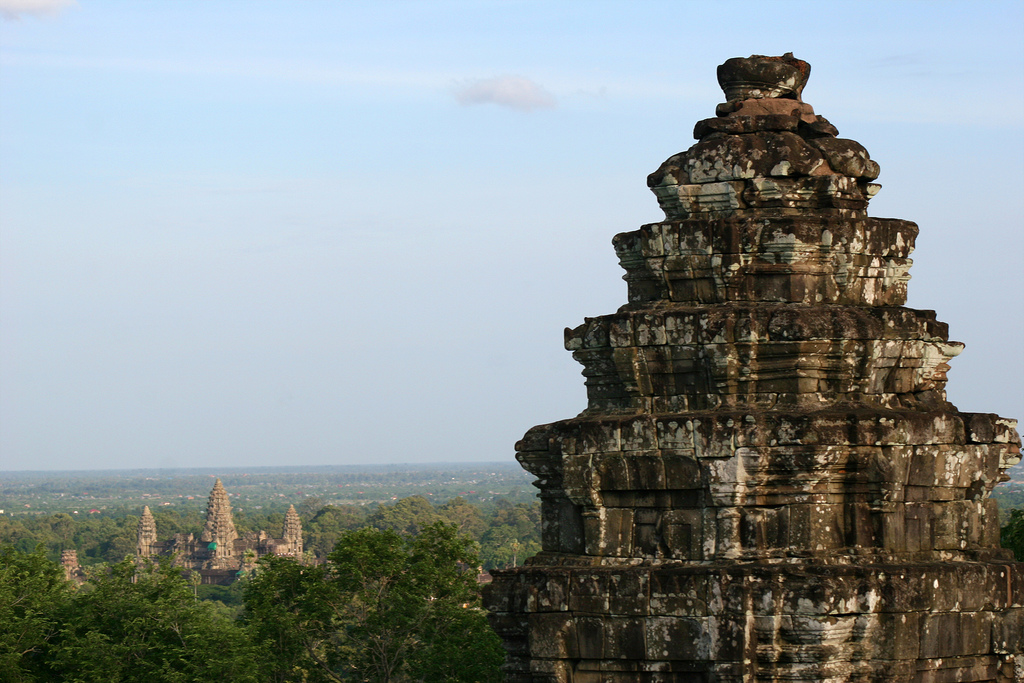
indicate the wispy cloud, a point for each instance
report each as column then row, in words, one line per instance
column 514, row 92
column 16, row 9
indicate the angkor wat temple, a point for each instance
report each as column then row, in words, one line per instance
column 768, row 483
column 219, row 553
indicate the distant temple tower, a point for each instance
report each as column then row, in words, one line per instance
column 768, row 484
column 219, row 533
column 147, row 533
column 72, row 570
column 292, row 535
column 219, row 552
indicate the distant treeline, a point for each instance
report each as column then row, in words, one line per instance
column 1008, row 499
column 197, row 479
column 24, row 494
column 385, row 608
column 506, row 532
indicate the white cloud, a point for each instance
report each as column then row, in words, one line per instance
column 514, row 92
column 16, row 9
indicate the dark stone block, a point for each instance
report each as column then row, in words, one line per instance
column 553, row 636
column 677, row 639
column 590, row 633
column 589, row 592
column 625, row 638
column 674, row 593
column 628, row 594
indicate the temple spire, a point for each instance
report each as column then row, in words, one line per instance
column 146, row 533
column 292, row 535
column 219, row 531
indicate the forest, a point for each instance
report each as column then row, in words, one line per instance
column 386, row 607
column 387, row 589
column 505, row 532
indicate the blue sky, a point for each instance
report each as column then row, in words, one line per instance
column 259, row 233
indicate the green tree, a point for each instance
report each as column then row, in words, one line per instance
column 116, row 548
column 15, row 534
column 170, row 522
column 324, row 530
column 525, row 519
column 502, row 547
column 512, row 536
column 309, row 506
column 290, row 614
column 1012, row 536
column 144, row 624
column 387, row 608
column 466, row 518
column 63, row 527
column 33, row 592
column 407, row 516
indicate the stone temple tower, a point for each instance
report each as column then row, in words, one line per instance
column 292, row 536
column 146, row 534
column 219, row 533
column 768, row 483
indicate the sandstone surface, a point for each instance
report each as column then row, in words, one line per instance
column 768, row 483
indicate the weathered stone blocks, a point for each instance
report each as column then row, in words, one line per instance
column 768, row 483
column 830, row 621
column 803, row 258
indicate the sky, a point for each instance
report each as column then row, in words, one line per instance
column 324, row 233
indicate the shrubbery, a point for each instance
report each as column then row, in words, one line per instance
column 386, row 608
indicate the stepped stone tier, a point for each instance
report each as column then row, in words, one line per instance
column 219, row 553
column 768, row 483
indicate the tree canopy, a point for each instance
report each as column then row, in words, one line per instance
column 387, row 608
column 33, row 595
column 131, row 624
column 1012, row 536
